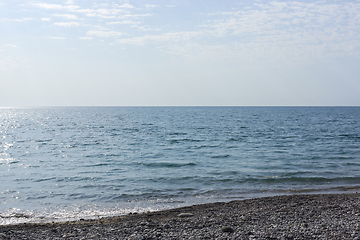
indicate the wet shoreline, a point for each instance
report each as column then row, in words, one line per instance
column 315, row 216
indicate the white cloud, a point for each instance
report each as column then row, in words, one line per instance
column 8, row 63
column 19, row 20
column 166, row 37
column 150, row 5
column 71, row 7
column 138, row 15
column 55, row 6
column 85, row 38
column 70, row 2
column 128, row 22
column 10, row 45
column 60, row 38
column 67, row 24
column 68, row 16
column 104, row 33
column 126, row 5
column 45, row 19
column 84, row 10
column 146, row 29
column 100, row 16
column 48, row 6
column 107, row 11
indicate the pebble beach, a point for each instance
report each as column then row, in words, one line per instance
column 314, row 216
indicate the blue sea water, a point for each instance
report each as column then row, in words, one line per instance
column 65, row 163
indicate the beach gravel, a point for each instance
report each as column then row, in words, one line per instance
column 321, row 216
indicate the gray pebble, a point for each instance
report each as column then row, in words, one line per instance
column 185, row 215
column 227, row 229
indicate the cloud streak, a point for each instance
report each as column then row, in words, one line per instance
column 166, row 37
column 67, row 24
column 19, row 20
column 67, row 16
column 59, row 38
column 104, row 33
column 51, row 6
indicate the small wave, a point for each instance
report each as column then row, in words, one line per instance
column 23, row 179
column 132, row 129
column 15, row 215
column 205, row 146
column 230, row 147
column 97, row 165
column 172, row 201
column 43, row 140
column 89, row 186
column 320, row 189
column 172, row 141
column 36, row 197
column 181, row 190
column 5, row 161
column 44, row 179
column 341, row 158
column 224, row 173
column 91, row 143
column 115, row 134
column 177, row 133
column 351, row 136
column 347, row 188
column 309, row 180
column 166, row 164
column 221, row 156
column 77, row 179
column 237, row 139
column 352, row 164
column 71, row 146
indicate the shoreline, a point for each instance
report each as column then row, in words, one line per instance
column 312, row 216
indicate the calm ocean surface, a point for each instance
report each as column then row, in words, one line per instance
column 84, row 162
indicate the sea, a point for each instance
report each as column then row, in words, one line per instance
column 71, row 163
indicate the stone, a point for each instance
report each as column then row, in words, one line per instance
column 227, row 229
column 185, row 215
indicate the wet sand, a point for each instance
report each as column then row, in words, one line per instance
column 321, row 216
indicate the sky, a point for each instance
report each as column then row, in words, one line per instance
column 179, row 53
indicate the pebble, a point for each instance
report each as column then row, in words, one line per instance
column 227, row 229
column 185, row 215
